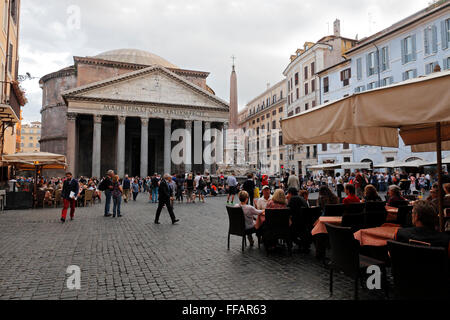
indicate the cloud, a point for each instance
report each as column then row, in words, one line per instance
column 200, row 35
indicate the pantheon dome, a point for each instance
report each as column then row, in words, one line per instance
column 135, row 56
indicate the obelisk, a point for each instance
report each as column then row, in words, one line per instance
column 234, row 124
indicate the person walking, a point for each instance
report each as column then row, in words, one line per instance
column 69, row 194
column 293, row 181
column 135, row 188
column 117, row 192
column 249, row 186
column 126, row 186
column 165, row 196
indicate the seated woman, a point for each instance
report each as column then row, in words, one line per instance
column 424, row 220
column 395, row 196
column 278, row 200
column 371, row 194
column 304, row 194
column 351, row 196
column 326, row 196
column 250, row 215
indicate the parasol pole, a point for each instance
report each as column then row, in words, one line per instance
column 439, row 172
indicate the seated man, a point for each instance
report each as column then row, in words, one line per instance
column 351, row 196
column 424, row 221
column 261, row 203
column 250, row 215
column 305, row 195
column 300, row 227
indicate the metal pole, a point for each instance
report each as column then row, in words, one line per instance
column 439, row 172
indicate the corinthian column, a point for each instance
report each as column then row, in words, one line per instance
column 207, row 142
column 71, row 141
column 188, row 146
column 167, row 145
column 97, row 146
column 144, row 147
column 121, row 147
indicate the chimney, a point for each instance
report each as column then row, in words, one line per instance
column 337, row 28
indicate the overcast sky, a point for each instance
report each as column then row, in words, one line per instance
column 200, row 35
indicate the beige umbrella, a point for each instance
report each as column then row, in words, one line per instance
column 36, row 161
column 417, row 109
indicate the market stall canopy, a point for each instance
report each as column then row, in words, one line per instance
column 446, row 160
column 345, row 165
column 376, row 117
column 28, row 161
column 324, row 166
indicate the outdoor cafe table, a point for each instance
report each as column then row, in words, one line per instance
column 367, row 237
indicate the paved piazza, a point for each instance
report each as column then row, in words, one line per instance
column 131, row 258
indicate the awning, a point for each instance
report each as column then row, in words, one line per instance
column 324, row 166
column 376, row 117
column 28, row 161
column 446, row 160
column 345, row 165
column 7, row 114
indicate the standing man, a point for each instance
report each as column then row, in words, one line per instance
column 154, row 187
column 165, row 195
column 249, row 186
column 232, row 187
column 126, row 186
column 108, row 187
column 293, row 181
column 69, row 193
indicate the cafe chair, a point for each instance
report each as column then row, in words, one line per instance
column 334, row 210
column 355, row 221
column 88, row 197
column 375, row 214
column 354, row 208
column 237, row 225
column 58, row 197
column 400, row 203
column 345, row 257
column 277, row 227
column 40, row 198
column 312, row 202
column 404, row 216
column 419, row 271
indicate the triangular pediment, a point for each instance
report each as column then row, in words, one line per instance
column 155, row 85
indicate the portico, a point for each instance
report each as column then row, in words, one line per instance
column 127, row 124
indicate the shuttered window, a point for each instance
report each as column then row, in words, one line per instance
column 325, row 85
column 384, row 58
column 408, row 47
column 359, row 68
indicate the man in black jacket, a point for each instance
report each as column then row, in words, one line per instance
column 108, row 185
column 69, row 193
column 300, row 225
column 165, row 194
column 249, row 186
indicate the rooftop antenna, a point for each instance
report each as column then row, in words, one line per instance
column 233, row 58
column 328, row 25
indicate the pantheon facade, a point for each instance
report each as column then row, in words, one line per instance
column 117, row 110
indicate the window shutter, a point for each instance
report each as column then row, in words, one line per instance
column 391, row 80
column 414, row 53
column 434, row 37
column 404, row 76
column 426, row 42
column 359, row 68
column 444, row 35
column 445, row 64
column 368, row 65
column 415, row 73
column 387, row 57
column 403, row 43
column 377, row 61
column 342, row 75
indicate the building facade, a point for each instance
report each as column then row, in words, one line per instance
column 260, row 119
column 120, row 110
column 303, row 89
column 30, row 134
column 411, row 48
column 12, row 97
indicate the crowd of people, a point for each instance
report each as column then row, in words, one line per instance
column 293, row 193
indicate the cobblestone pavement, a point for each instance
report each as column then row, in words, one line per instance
column 132, row 258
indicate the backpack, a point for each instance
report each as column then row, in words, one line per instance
column 201, row 183
column 102, row 185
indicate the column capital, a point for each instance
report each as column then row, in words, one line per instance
column 71, row 116
column 188, row 124
column 122, row 119
column 167, row 122
column 226, row 125
column 97, row 118
column 144, row 121
column 207, row 124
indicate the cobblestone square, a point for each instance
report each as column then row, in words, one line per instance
column 132, row 258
